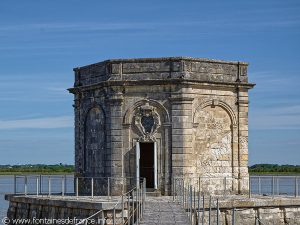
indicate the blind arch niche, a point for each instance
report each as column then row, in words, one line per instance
column 94, row 142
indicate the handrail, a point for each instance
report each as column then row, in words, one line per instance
column 191, row 201
column 86, row 219
column 135, row 197
column 43, row 184
column 137, row 211
column 258, row 220
column 198, row 206
column 257, row 185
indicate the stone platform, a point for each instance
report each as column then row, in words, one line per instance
column 278, row 210
column 43, row 207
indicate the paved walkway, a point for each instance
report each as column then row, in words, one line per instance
column 163, row 211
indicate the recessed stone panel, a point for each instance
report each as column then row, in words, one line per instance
column 146, row 67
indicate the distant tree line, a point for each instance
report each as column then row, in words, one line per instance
column 64, row 168
column 274, row 168
column 36, row 168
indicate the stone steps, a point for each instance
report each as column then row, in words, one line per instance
column 153, row 194
column 163, row 211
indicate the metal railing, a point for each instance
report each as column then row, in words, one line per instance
column 202, row 208
column 252, row 185
column 68, row 185
column 220, row 186
column 42, row 184
column 131, row 202
column 105, row 186
column 275, row 185
column 258, row 221
column 196, row 204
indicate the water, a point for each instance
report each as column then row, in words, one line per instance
column 280, row 185
column 7, row 187
column 277, row 185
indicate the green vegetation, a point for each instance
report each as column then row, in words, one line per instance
column 63, row 169
column 36, row 169
column 274, row 169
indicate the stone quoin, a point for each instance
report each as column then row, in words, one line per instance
column 162, row 118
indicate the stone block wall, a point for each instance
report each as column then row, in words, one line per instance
column 42, row 210
column 270, row 211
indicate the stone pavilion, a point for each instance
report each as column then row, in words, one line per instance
column 161, row 118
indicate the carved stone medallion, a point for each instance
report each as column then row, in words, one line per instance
column 147, row 121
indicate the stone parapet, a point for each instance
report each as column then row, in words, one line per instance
column 185, row 68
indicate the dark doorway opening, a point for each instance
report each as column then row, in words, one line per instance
column 147, row 163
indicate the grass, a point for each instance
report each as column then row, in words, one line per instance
column 258, row 169
column 35, row 173
column 274, row 173
column 36, row 169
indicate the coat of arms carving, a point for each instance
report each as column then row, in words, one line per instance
column 147, row 121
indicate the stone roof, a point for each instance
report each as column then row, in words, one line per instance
column 166, row 69
column 164, row 59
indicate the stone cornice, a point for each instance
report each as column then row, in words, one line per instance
column 162, row 59
column 185, row 68
column 160, row 82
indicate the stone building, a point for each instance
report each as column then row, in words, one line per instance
column 162, row 118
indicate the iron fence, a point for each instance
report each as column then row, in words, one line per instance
column 202, row 208
column 252, row 185
column 275, row 185
column 218, row 186
column 196, row 204
column 69, row 185
column 130, row 204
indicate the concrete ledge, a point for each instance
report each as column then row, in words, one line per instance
column 258, row 201
column 99, row 202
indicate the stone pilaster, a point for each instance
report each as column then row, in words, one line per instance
column 115, row 134
column 78, row 147
column 235, row 158
column 243, row 140
column 182, row 129
column 115, row 141
column 167, row 158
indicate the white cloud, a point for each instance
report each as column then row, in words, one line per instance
column 143, row 26
column 76, row 26
column 41, row 123
column 33, row 87
column 274, row 101
column 275, row 122
column 276, row 118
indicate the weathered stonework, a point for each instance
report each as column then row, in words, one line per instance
column 58, row 210
column 275, row 211
column 192, row 112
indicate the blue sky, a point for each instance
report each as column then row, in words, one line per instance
column 41, row 41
